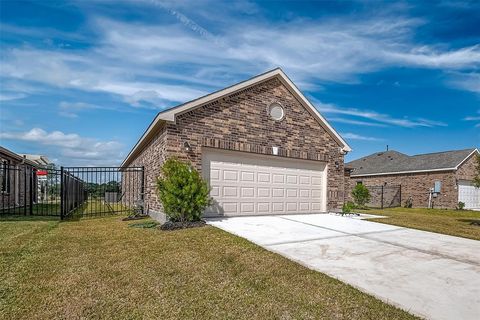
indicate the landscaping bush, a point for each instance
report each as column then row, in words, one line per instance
column 360, row 195
column 460, row 205
column 183, row 192
column 348, row 207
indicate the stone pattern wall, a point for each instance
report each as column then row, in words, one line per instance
column 417, row 186
column 241, row 122
column 151, row 158
column 467, row 170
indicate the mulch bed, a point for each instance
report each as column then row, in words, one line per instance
column 169, row 225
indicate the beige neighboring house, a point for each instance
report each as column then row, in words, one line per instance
column 260, row 144
column 441, row 178
column 39, row 160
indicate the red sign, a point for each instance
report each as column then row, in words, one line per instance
column 42, row 172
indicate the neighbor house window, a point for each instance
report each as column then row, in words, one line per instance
column 359, row 182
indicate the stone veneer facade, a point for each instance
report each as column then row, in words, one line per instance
column 417, row 185
column 240, row 122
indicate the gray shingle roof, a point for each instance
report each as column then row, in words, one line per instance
column 393, row 161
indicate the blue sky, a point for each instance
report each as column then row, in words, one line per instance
column 80, row 81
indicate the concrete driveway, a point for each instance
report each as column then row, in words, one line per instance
column 428, row 274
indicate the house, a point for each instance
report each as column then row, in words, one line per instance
column 440, row 179
column 260, row 144
column 15, row 178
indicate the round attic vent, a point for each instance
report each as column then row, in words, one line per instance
column 276, row 111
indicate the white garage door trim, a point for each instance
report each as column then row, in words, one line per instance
column 251, row 184
column 468, row 194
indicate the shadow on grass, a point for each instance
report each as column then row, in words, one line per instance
column 28, row 218
column 473, row 222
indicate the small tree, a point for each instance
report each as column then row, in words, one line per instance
column 476, row 179
column 183, row 192
column 360, row 195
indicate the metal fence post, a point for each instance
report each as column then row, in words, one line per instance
column 62, row 204
column 32, row 170
column 142, row 190
column 25, row 189
column 382, row 198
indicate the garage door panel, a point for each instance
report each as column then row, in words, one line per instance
column 230, row 175
column 278, row 178
column 292, row 193
column 263, row 207
column 468, row 194
column 263, row 192
column 278, row 192
column 247, row 176
column 248, row 192
column 245, row 184
column 277, row 207
column 292, row 207
column 263, row 177
column 230, row 191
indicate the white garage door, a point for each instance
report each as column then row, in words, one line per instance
column 469, row 195
column 246, row 184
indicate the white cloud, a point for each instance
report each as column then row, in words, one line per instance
column 374, row 118
column 475, row 118
column 164, row 64
column 12, row 96
column 354, row 136
column 71, row 148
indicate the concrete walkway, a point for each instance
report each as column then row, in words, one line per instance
column 428, row 274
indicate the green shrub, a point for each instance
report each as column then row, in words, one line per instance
column 183, row 192
column 360, row 195
column 461, row 205
column 348, row 207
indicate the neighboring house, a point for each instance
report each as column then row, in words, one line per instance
column 449, row 174
column 15, row 178
column 260, row 144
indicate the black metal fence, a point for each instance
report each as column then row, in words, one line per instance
column 386, row 196
column 70, row 191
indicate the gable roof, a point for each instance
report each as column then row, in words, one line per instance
column 170, row 115
column 394, row 162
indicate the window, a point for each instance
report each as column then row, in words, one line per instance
column 276, row 112
column 359, row 182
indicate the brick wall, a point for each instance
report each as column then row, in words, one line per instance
column 467, row 170
column 241, row 122
column 417, row 185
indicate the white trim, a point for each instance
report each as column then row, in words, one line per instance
column 476, row 150
column 415, row 171
column 171, row 114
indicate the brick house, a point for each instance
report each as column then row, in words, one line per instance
column 260, row 144
column 448, row 173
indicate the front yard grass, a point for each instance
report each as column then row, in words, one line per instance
column 101, row 268
column 451, row 222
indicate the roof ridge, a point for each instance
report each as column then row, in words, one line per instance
column 437, row 152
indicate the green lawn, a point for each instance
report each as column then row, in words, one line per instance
column 452, row 222
column 102, row 268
